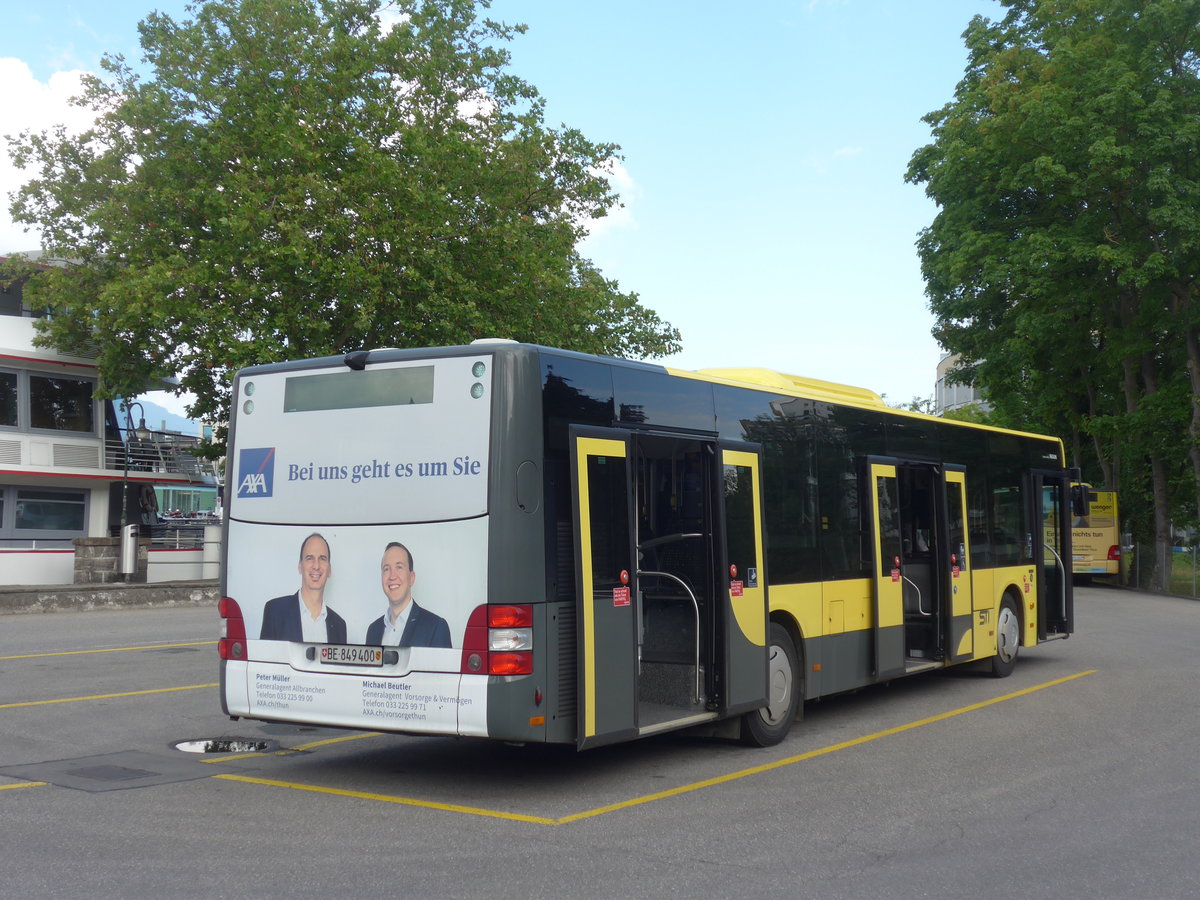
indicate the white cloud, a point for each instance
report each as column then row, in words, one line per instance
column 618, row 216
column 27, row 104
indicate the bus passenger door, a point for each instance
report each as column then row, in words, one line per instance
column 884, row 530
column 1052, row 553
column 746, row 613
column 604, row 574
column 957, row 564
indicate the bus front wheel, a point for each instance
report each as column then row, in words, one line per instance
column 1008, row 638
column 769, row 725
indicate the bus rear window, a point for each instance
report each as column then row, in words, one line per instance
column 357, row 390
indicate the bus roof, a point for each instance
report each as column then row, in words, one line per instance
column 813, row 388
column 750, row 377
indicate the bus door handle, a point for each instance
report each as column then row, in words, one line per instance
column 695, row 610
column 920, row 600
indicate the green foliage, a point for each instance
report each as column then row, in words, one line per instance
column 294, row 179
column 1062, row 263
column 916, row 404
column 977, row 415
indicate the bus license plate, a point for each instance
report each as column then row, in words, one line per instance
column 349, row 655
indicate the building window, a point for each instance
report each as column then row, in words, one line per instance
column 41, row 513
column 8, row 399
column 58, row 403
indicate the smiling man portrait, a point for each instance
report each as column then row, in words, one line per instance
column 405, row 624
column 304, row 615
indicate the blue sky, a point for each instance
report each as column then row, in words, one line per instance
column 764, row 146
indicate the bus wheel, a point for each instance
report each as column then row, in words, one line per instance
column 785, row 692
column 1008, row 638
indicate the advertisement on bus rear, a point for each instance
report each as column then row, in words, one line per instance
column 397, row 442
column 384, row 607
column 357, row 541
column 1094, row 536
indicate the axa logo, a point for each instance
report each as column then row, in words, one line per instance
column 256, row 472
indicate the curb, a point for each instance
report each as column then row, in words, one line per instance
column 50, row 598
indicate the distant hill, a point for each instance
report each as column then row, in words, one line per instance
column 160, row 419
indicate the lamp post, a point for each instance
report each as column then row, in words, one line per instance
column 142, row 433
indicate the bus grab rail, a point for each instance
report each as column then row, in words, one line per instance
column 1062, row 568
column 695, row 610
column 670, row 539
column 920, row 601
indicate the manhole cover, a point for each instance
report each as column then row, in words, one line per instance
column 112, row 771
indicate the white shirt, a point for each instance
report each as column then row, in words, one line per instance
column 314, row 630
column 392, row 633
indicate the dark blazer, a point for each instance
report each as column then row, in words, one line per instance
column 281, row 621
column 424, row 629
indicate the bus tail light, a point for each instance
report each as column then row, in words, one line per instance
column 1114, row 553
column 232, row 644
column 498, row 641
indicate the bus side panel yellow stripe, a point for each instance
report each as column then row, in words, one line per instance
column 749, row 608
column 584, row 449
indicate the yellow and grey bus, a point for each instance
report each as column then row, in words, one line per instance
column 1095, row 536
column 522, row 543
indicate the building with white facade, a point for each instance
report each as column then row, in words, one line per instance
column 947, row 397
column 67, row 459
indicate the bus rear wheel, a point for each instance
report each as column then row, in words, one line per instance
column 769, row 725
column 1008, row 638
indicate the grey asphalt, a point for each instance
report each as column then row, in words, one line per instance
column 1075, row 777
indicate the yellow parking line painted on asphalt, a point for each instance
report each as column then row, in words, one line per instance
column 286, row 751
column 385, row 798
column 813, row 754
column 186, row 687
column 338, row 740
column 658, row 795
column 13, row 787
column 108, row 650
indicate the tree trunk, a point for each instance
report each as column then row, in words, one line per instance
column 1161, row 578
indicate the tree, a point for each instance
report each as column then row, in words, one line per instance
column 294, row 178
column 916, row 404
column 1062, row 263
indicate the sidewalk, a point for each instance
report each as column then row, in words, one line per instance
column 49, row 598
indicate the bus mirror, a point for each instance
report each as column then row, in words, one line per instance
column 1079, row 500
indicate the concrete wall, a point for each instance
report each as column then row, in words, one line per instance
column 96, row 561
column 37, row 567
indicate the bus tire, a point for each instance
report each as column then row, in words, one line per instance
column 1008, row 638
column 769, row 725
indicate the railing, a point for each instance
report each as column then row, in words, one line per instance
column 180, row 534
column 27, row 543
column 160, row 451
column 200, row 543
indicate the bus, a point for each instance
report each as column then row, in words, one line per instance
column 1096, row 536
column 516, row 542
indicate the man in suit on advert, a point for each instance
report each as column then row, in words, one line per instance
column 304, row 615
column 405, row 624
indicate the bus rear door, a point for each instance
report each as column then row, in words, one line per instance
column 1052, row 550
column 921, row 569
column 604, row 578
column 671, row 588
column 884, row 526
